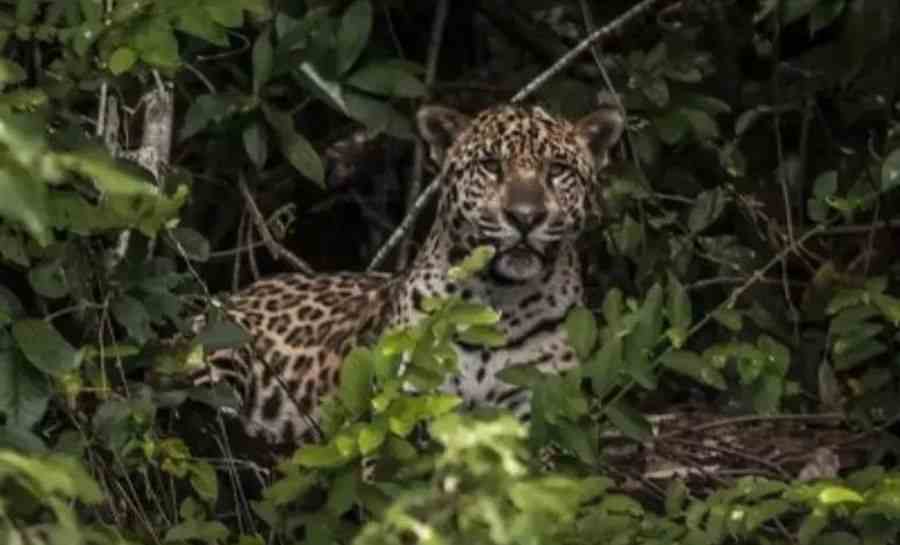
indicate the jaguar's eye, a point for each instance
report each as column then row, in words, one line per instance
column 491, row 165
column 557, row 169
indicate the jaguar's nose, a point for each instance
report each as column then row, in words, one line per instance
column 525, row 216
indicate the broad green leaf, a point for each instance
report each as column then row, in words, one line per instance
column 473, row 263
column 605, row 365
column 388, row 80
column 45, row 347
column 10, row 73
column 672, row 127
column 357, row 374
column 472, row 314
column 377, row 115
column 708, row 206
column 692, row 365
column 122, row 60
column 581, row 328
column 629, row 421
column 679, row 310
column 23, row 199
column 482, row 335
column 24, row 391
column 262, row 60
column 228, row 13
column 838, row 494
column 342, row 494
column 353, row 35
column 749, row 118
column 676, row 494
column 730, row 318
column 193, row 19
column 643, row 338
column 295, row 147
column 49, row 279
column 824, row 13
column 132, row 314
column 208, row 531
column 222, row 334
column 204, row 480
column 890, row 171
column 156, row 44
column 703, row 124
column 319, row 456
column 372, row 436
column 204, row 110
column 256, row 144
column 812, row 526
column 825, row 185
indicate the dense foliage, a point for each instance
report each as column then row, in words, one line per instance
column 745, row 268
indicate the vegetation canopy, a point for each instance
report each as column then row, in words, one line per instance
column 737, row 376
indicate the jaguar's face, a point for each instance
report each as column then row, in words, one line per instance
column 518, row 179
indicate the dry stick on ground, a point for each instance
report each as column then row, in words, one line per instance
column 558, row 66
column 415, row 185
column 278, row 251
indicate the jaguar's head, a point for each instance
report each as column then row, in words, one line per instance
column 518, row 178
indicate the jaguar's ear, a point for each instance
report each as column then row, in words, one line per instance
column 439, row 127
column 601, row 129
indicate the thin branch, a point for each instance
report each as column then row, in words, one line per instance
column 601, row 33
column 278, row 251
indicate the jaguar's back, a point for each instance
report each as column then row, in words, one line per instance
column 513, row 177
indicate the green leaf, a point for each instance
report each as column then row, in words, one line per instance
column 204, row 481
column 676, row 493
column 156, row 44
column 353, row 35
column 680, row 312
column 194, row 20
column 890, row 171
column 49, row 279
column 372, row 436
column 672, row 127
column 355, row 388
column 23, row 199
column 629, row 421
column 256, row 144
column 730, row 318
column 690, row 364
column 472, row 314
column 377, row 115
column 220, row 334
column 24, row 391
column 825, row 185
column 295, row 147
column 10, row 73
column 824, row 13
column 482, row 335
column 204, row 110
column 473, row 263
column 581, row 328
column 342, row 494
column 132, row 314
column 812, row 526
column 831, row 495
column 195, row 245
column 749, row 118
column 321, row 456
column 45, row 347
column 262, row 60
column 703, row 124
column 388, row 80
column 228, row 13
column 708, row 206
column 122, row 60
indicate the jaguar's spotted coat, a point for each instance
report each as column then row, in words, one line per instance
column 514, row 177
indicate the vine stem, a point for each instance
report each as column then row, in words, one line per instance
column 425, row 197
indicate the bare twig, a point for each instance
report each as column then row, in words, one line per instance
column 559, row 65
column 817, row 417
column 639, row 9
column 415, row 184
column 278, row 251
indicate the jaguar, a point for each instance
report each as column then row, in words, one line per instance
column 513, row 177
